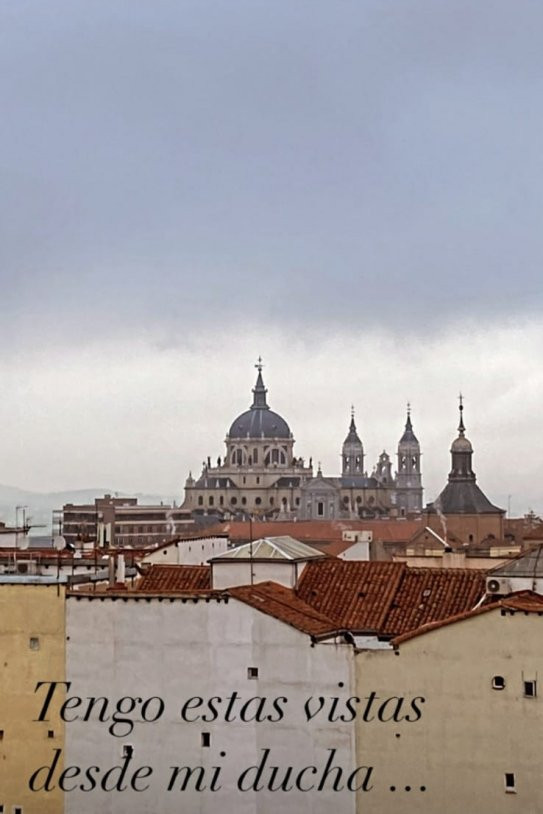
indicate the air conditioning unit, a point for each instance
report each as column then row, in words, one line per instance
column 498, row 585
column 28, row 568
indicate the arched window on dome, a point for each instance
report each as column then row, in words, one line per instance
column 255, row 455
column 283, row 459
column 275, row 456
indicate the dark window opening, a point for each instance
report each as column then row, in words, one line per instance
column 530, row 689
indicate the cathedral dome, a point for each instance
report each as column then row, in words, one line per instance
column 259, row 421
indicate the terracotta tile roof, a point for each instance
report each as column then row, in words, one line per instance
column 283, row 604
column 428, row 594
column 356, row 594
column 522, row 601
column 171, row 578
column 388, row 598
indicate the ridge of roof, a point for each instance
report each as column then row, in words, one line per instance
column 523, row 601
column 387, row 598
column 283, row 604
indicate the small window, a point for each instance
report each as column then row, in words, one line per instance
column 17, row 810
column 498, row 683
column 530, row 689
column 206, row 739
column 127, row 750
column 34, row 643
column 510, row 783
column 252, row 672
column 50, row 733
column 1, row 738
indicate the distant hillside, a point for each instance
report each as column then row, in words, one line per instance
column 40, row 505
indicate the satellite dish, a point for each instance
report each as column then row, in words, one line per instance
column 59, row 543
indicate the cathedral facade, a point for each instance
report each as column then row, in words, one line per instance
column 261, row 476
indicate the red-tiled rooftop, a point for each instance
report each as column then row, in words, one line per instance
column 386, row 598
column 283, row 604
column 172, row 578
column 521, row 601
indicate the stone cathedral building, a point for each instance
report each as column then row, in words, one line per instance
column 261, row 476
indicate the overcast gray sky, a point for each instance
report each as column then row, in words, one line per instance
column 352, row 189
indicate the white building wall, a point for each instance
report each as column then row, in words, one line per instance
column 229, row 573
column 176, row 650
column 188, row 552
column 358, row 551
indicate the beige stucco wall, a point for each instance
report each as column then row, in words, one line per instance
column 37, row 612
column 470, row 734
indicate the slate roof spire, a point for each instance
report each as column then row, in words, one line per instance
column 259, row 390
column 408, row 436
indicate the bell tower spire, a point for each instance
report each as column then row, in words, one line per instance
column 461, row 451
column 409, row 477
column 352, row 453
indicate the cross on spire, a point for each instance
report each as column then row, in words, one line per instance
column 259, row 365
column 461, row 428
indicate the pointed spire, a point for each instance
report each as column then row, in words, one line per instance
column 352, row 436
column 461, row 428
column 409, row 436
column 259, row 390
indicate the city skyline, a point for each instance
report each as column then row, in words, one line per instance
column 352, row 192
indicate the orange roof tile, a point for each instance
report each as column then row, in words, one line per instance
column 170, row 578
column 522, row 601
column 388, row 598
column 429, row 594
column 356, row 594
column 283, row 604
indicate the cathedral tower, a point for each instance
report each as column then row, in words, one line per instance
column 408, row 477
column 352, row 454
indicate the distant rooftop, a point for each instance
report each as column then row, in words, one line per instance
column 529, row 564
